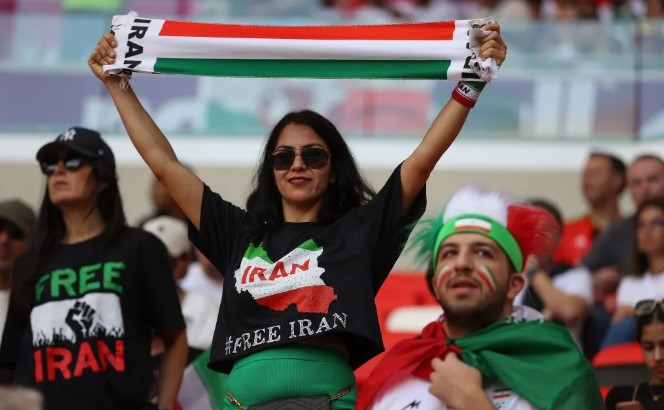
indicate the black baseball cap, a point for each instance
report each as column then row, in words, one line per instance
column 83, row 141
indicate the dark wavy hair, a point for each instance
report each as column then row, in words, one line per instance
column 657, row 316
column 349, row 190
column 640, row 259
column 51, row 224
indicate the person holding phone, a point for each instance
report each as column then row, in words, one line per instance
column 650, row 334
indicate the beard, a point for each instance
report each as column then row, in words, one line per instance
column 477, row 316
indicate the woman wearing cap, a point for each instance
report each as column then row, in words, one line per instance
column 99, row 290
column 306, row 258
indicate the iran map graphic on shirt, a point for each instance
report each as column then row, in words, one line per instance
column 293, row 279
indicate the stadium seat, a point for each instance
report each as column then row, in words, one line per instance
column 619, row 365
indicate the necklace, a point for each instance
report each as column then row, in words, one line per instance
column 655, row 397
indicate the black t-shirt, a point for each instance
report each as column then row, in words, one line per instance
column 87, row 345
column 642, row 393
column 303, row 279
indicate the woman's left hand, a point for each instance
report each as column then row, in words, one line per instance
column 493, row 44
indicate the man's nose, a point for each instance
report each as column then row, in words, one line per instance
column 463, row 261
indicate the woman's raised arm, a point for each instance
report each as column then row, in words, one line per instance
column 443, row 131
column 182, row 184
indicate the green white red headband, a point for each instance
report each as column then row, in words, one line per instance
column 482, row 225
column 518, row 228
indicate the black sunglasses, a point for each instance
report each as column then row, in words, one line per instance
column 12, row 230
column 313, row 157
column 647, row 307
column 71, row 163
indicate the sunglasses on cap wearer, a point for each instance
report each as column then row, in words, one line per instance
column 12, row 230
column 313, row 157
column 70, row 163
column 647, row 307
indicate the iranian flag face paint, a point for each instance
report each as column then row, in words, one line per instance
column 440, row 277
column 484, row 273
column 488, row 278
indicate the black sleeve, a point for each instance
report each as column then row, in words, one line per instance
column 160, row 295
column 386, row 227
column 606, row 248
column 617, row 395
column 220, row 225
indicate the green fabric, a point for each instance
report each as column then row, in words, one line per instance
column 101, row 6
column 538, row 360
column 421, row 69
column 291, row 371
column 498, row 233
column 213, row 381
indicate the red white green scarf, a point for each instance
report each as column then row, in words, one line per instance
column 441, row 50
column 536, row 359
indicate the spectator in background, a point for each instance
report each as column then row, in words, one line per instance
column 162, row 204
column 654, row 9
column 610, row 256
column 7, row 23
column 20, row 398
column 647, row 278
column 650, row 335
column 504, row 10
column 602, row 182
column 562, row 294
column 426, row 10
column 199, row 310
column 203, row 277
column 17, row 227
column 375, row 12
column 99, row 290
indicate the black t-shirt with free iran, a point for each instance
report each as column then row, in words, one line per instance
column 87, row 345
column 304, row 279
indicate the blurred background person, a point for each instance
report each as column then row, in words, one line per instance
column 17, row 227
column 562, row 294
column 650, row 335
column 162, row 204
column 20, row 398
column 602, row 182
column 647, row 279
column 199, row 310
column 611, row 254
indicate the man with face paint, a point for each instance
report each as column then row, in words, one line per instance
column 483, row 352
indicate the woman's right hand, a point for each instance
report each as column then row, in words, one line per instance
column 103, row 54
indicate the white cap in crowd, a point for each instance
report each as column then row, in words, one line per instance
column 172, row 232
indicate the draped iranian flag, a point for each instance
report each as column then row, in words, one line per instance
column 440, row 50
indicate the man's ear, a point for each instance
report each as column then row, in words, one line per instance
column 516, row 284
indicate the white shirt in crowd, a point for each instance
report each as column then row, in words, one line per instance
column 633, row 289
column 575, row 281
column 197, row 281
